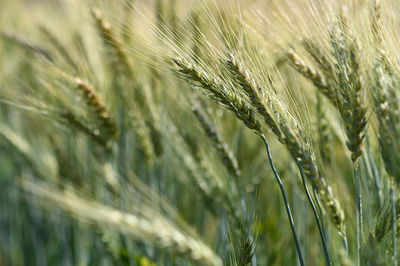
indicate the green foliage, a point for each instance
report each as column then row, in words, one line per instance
column 130, row 132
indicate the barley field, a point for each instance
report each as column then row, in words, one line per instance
column 199, row 132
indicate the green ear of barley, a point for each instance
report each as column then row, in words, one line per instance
column 351, row 105
column 316, row 78
column 219, row 93
column 246, row 252
column 387, row 108
column 349, row 98
column 325, row 136
column 319, row 57
column 384, row 222
column 222, row 148
column 378, row 35
column 291, row 136
column 254, row 92
column 356, row 133
column 91, row 132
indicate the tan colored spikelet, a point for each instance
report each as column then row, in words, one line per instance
column 210, row 85
column 222, row 148
column 220, row 93
column 306, row 70
column 94, row 101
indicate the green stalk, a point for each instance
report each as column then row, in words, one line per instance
column 287, row 206
column 320, row 229
column 376, row 175
column 359, row 224
column 321, row 215
column 394, row 225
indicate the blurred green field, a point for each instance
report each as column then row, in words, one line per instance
column 134, row 132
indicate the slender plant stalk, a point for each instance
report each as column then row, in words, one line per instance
column 359, row 225
column 287, row 206
column 375, row 173
column 394, row 223
column 288, row 134
column 320, row 228
column 321, row 214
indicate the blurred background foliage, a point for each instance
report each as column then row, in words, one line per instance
column 71, row 71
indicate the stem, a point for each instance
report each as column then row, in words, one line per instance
column 320, row 211
column 289, row 213
column 345, row 245
column 375, row 173
column 344, row 238
column 376, row 177
column 359, row 225
column 320, row 227
column 394, row 225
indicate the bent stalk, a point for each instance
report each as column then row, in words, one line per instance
column 287, row 206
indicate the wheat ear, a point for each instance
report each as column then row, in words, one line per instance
column 220, row 93
column 219, row 144
column 159, row 230
column 292, row 137
column 124, row 69
column 378, row 35
column 232, row 102
column 111, row 41
column 88, row 130
column 94, row 101
column 316, row 78
column 254, row 93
